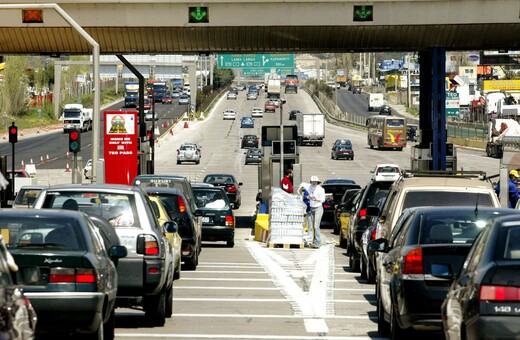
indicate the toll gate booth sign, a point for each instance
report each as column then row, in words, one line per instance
column 120, row 147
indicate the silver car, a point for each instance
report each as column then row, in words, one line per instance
column 188, row 152
column 146, row 274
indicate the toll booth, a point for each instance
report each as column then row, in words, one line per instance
column 270, row 172
column 421, row 158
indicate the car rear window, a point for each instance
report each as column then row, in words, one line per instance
column 445, row 198
column 29, row 232
column 118, row 209
column 338, row 190
column 377, row 191
column 219, row 179
column 211, row 199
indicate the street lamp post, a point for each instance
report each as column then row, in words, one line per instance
column 152, row 135
column 281, row 140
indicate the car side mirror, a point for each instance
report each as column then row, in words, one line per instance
column 117, row 252
column 379, row 245
column 171, row 227
column 372, row 210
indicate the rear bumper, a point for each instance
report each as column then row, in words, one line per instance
column 67, row 310
column 493, row 327
column 139, row 277
column 218, row 233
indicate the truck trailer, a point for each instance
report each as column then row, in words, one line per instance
column 311, row 128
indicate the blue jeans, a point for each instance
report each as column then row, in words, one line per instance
column 313, row 222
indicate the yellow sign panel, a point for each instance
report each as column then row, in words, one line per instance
column 502, row 85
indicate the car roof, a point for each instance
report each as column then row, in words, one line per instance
column 339, row 180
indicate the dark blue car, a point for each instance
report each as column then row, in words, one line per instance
column 247, row 122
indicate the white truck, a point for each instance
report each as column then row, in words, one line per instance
column 375, row 101
column 311, row 128
column 75, row 116
column 503, row 134
column 274, row 85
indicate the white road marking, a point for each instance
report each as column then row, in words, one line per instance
column 244, row 336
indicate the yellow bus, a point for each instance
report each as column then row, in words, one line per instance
column 386, row 132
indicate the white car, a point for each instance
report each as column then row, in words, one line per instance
column 184, row 100
column 252, row 95
column 229, row 114
column 386, row 172
column 188, row 152
column 257, row 113
column 232, row 95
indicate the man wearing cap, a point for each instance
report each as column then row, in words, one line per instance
column 513, row 194
column 317, row 197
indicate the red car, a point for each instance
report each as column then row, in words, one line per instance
column 167, row 100
column 269, row 106
column 147, row 104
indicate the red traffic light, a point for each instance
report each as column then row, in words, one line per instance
column 74, row 141
column 74, row 135
column 13, row 134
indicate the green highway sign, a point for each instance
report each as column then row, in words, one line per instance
column 255, row 61
column 363, row 13
column 452, row 104
column 261, row 71
column 197, row 15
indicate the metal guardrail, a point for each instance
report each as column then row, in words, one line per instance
column 465, row 130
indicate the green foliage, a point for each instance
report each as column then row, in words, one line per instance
column 14, row 96
column 222, row 77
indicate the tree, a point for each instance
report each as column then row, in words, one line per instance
column 222, row 77
column 14, row 94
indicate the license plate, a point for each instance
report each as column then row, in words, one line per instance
column 205, row 219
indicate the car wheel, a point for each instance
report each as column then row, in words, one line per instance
column 383, row 328
column 169, row 303
column 109, row 326
column 396, row 332
column 178, row 162
column 177, row 274
column 342, row 242
column 155, row 309
column 192, row 263
column 230, row 243
column 371, row 273
column 99, row 333
column 353, row 263
column 197, row 162
column 331, row 156
column 237, row 205
column 363, row 267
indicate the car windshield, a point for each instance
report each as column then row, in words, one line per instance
column 29, row 232
column 254, row 151
column 188, row 147
column 118, row 209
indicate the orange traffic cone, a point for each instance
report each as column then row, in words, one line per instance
column 67, row 169
column 171, row 131
column 22, row 166
column 32, row 161
column 185, row 125
column 41, row 159
column 68, row 154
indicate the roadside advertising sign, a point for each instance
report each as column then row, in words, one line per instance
column 452, row 104
column 120, row 146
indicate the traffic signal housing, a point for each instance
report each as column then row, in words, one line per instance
column 74, row 141
column 13, row 134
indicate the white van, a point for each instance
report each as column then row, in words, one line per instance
column 375, row 101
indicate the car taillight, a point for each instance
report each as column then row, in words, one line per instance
column 413, row 262
column 230, row 221
column 182, row 205
column 232, row 188
column 499, row 293
column 72, row 275
column 362, row 214
column 151, row 246
column 373, row 235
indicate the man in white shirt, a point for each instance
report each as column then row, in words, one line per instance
column 317, row 197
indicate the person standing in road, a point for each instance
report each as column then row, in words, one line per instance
column 287, row 185
column 317, row 197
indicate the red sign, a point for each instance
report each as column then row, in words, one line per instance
column 120, row 147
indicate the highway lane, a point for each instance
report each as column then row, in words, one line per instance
column 254, row 292
column 53, row 144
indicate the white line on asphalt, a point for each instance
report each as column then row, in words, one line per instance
column 221, row 272
column 234, row 300
column 244, row 336
column 354, row 289
column 350, row 281
column 224, row 279
column 222, row 288
column 270, row 316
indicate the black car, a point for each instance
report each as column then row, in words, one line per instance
column 385, row 110
column 356, row 89
column 427, row 247
column 188, row 221
column 370, row 195
column 218, row 220
column 293, row 114
column 253, row 156
column 230, row 185
column 342, row 151
column 483, row 300
column 64, row 269
column 334, row 193
column 249, row 141
column 339, row 180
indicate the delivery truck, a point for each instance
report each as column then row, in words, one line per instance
column 311, row 128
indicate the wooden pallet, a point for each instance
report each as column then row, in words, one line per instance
column 285, row 245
